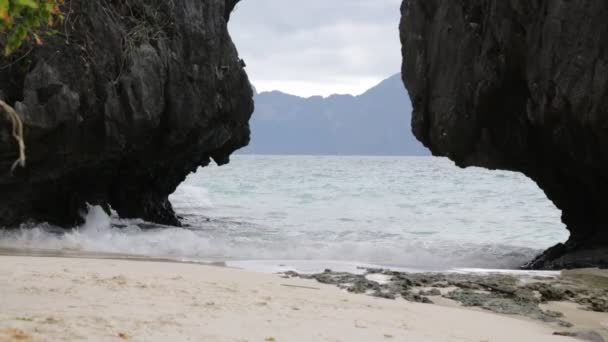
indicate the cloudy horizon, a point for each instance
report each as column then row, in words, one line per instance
column 318, row 47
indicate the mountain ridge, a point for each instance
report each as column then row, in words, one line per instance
column 373, row 123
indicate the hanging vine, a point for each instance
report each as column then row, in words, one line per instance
column 22, row 20
column 17, row 133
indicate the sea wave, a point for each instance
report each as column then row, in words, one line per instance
column 417, row 213
column 108, row 234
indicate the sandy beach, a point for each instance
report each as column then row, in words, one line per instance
column 72, row 299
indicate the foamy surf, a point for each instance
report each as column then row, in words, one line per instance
column 118, row 237
column 312, row 213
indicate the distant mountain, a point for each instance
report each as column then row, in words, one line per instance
column 374, row 123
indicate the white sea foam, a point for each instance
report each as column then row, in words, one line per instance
column 191, row 199
column 105, row 234
column 270, row 213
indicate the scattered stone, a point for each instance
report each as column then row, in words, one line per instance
column 432, row 292
column 501, row 303
column 301, row 287
column 385, row 295
column 549, row 292
column 441, row 284
column 51, row 320
column 591, row 336
column 500, row 293
column 411, row 297
column 596, row 304
column 555, row 314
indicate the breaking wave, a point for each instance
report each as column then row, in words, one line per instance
column 394, row 212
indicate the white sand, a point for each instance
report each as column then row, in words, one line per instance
column 61, row 299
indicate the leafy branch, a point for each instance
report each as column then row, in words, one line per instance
column 21, row 20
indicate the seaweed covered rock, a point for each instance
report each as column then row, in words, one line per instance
column 519, row 85
column 119, row 106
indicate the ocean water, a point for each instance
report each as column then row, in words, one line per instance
column 308, row 213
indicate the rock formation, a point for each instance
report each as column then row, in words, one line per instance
column 119, row 106
column 519, row 85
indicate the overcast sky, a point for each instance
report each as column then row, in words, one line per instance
column 318, row 47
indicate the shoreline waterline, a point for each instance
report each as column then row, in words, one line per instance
column 261, row 265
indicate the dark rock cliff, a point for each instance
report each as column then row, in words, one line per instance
column 119, row 106
column 519, row 85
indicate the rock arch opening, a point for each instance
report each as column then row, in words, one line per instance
column 174, row 100
column 297, row 59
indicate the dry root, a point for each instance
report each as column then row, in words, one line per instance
column 17, row 133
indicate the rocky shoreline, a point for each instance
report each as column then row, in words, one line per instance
column 524, row 294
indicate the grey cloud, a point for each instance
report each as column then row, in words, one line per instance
column 318, row 41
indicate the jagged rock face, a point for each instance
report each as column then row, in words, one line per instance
column 119, row 106
column 519, row 85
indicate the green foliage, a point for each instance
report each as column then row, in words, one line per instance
column 21, row 20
